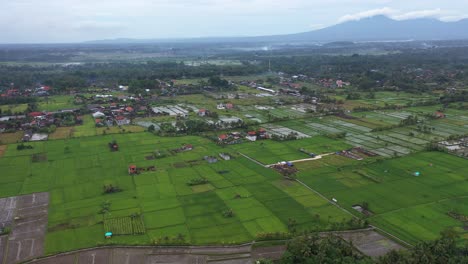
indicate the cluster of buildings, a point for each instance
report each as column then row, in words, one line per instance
column 114, row 114
column 236, row 137
column 227, row 106
column 332, row 83
column 254, row 85
column 171, row 110
column 40, row 121
column 38, row 91
column 458, row 147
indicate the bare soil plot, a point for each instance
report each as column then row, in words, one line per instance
column 62, row 133
column 370, row 243
column 3, row 150
column 273, row 252
column 10, row 138
column 26, row 239
column 129, row 255
column 7, row 208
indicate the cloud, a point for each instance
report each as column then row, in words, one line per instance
column 77, row 20
column 317, row 26
column 386, row 11
column 434, row 13
column 452, row 18
column 437, row 13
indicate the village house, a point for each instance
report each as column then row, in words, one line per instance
column 439, row 114
column 341, row 84
column 222, row 137
column 187, row 147
column 121, row 121
column 202, row 112
column 27, row 136
column 222, row 106
column 251, row 135
column 99, row 122
column 98, row 114
column 36, row 114
column 262, row 133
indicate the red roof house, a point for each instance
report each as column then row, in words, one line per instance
column 439, row 114
column 35, row 114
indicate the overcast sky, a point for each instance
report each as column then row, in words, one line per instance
column 54, row 21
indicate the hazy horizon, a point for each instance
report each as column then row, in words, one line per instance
column 68, row 21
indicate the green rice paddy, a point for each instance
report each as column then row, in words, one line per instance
column 74, row 171
column 412, row 208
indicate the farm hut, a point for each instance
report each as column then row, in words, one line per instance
column 251, row 135
column 108, row 234
column 225, row 156
column 417, row 174
column 211, row 159
column 187, row 147
column 439, row 114
column 132, row 169
column 202, row 112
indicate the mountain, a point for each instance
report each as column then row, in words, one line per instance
column 377, row 28
column 382, row 28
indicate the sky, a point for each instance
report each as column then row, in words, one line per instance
column 66, row 21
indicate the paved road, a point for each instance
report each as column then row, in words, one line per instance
column 303, row 160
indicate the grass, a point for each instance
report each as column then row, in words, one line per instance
column 56, row 102
column 14, row 108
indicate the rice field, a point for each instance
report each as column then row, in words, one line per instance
column 161, row 207
column 75, row 170
column 414, row 208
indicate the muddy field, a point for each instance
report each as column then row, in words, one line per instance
column 27, row 218
column 368, row 242
column 148, row 255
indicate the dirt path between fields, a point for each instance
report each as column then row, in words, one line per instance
column 368, row 241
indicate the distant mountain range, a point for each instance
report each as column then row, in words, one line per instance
column 377, row 28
